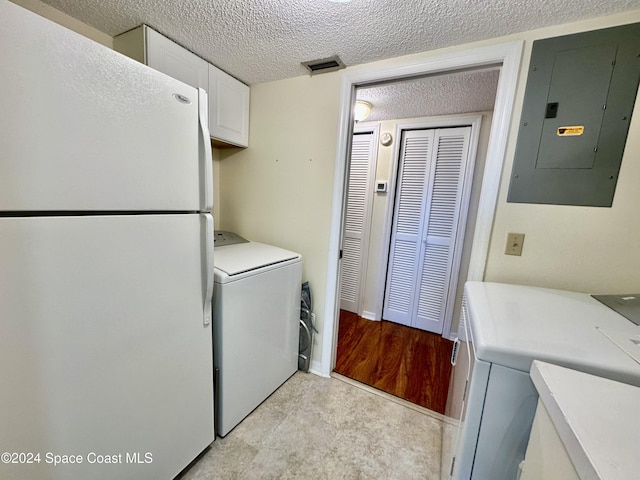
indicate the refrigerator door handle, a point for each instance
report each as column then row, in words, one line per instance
column 207, row 184
column 208, row 294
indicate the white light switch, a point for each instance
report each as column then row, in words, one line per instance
column 514, row 244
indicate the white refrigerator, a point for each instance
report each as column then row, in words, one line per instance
column 106, row 261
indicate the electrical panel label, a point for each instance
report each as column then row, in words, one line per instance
column 570, row 131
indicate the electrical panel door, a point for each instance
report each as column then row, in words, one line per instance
column 577, row 108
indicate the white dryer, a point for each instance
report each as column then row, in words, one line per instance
column 256, row 316
column 503, row 329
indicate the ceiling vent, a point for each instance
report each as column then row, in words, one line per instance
column 324, row 65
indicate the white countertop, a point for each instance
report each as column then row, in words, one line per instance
column 512, row 325
column 597, row 419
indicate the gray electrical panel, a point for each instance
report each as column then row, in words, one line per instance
column 580, row 94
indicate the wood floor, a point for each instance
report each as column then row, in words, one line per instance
column 404, row 361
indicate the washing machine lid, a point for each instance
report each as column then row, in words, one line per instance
column 512, row 325
column 235, row 260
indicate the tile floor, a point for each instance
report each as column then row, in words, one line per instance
column 325, row 428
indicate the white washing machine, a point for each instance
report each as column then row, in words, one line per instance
column 503, row 329
column 256, row 316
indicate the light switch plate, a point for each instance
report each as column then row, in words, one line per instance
column 514, row 244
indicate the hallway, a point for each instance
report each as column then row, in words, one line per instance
column 409, row 363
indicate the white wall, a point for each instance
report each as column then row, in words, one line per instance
column 294, row 120
column 371, row 302
column 588, row 249
column 279, row 189
column 215, row 154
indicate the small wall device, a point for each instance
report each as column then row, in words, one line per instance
column 381, row 186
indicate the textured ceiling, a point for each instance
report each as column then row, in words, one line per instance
column 262, row 40
column 436, row 95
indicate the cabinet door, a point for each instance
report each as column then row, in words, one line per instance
column 228, row 108
column 176, row 61
column 546, row 456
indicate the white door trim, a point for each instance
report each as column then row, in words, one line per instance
column 509, row 56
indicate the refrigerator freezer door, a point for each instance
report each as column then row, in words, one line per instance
column 103, row 348
column 85, row 128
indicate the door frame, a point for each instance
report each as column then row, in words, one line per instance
column 508, row 55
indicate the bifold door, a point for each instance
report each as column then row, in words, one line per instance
column 357, row 220
column 428, row 213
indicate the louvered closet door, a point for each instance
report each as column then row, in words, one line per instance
column 357, row 219
column 442, row 213
column 406, row 235
column 428, row 205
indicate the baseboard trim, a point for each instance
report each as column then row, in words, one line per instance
column 369, row 316
column 316, row 368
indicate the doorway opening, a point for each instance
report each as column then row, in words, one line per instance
column 407, row 199
column 507, row 56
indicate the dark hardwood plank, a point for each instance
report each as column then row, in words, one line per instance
column 404, row 361
column 354, row 349
column 390, row 373
column 429, row 370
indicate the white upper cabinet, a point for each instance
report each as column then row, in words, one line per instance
column 228, row 108
column 157, row 51
column 228, row 98
column 170, row 58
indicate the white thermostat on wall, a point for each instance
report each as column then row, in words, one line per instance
column 381, row 186
column 386, row 139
